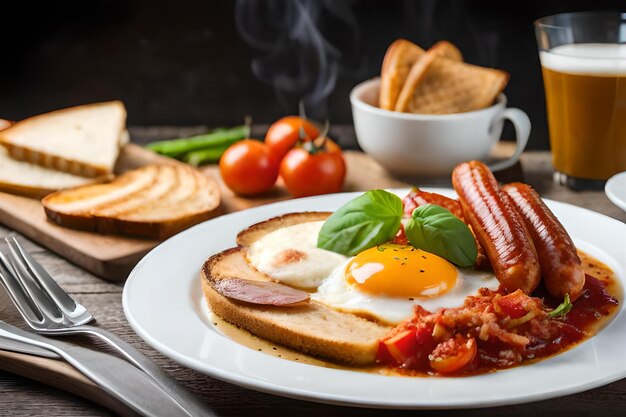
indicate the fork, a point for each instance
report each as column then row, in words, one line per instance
column 49, row 310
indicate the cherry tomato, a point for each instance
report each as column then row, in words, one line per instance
column 248, row 167
column 284, row 134
column 453, row 354
column 313, row 172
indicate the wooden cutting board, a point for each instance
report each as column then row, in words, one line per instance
column 112, row 257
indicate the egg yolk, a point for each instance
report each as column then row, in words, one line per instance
column 401, row 271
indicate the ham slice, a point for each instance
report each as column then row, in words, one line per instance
column 260, row 292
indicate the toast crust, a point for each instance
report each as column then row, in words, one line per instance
column 448, row 50
column 40, row 192
column 22, row 153
column 247, row 237
column 312, row 328
column 398, row 61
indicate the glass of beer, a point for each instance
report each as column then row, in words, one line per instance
column 583, row 60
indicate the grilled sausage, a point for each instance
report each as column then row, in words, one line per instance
column 561, row 267
column 416, row 198
column 498, row 227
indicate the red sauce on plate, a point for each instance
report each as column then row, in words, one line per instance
column 548, row 336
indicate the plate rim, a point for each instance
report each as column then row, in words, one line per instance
column 609, row 190
column 289, row 392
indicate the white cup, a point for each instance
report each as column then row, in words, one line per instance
column 423, row 145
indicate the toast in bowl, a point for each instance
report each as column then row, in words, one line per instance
column 438, row 85
column 400, row 57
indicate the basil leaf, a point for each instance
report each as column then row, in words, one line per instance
column 364, row 222
column 436, row 230
column 562, row 309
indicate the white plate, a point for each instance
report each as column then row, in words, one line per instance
column 615, row 190
column 164, row 305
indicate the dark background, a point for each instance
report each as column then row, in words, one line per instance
column 202, row 62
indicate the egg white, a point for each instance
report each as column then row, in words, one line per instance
column 326, row 270
column 337, row 293
column 308, row 272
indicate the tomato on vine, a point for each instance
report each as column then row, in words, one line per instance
column 313, row 167
column 285, row 133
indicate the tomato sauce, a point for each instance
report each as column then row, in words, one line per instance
column 548, row 336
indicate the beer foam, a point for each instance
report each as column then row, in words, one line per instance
column 586, row 58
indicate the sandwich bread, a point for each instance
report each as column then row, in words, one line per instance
column 32, row 180
column 83, row 140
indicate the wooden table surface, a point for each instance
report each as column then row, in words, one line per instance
column 20, row 396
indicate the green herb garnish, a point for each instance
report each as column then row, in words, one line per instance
column 436, row 230
column 370, row 219
column 562, row 309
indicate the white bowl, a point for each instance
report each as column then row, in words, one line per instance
column 424, row 145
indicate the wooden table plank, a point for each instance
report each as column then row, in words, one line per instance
column 22, row 397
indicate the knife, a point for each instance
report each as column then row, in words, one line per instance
column 21, row 347
column 115, row 376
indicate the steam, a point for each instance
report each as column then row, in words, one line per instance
column 296, row 58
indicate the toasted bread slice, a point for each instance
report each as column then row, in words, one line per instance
column 398, row 61
column 83, row 140
column 182, row 210
column 446, row 49
column 155, row 201
column 255, row 232
column 31, row 180
column 312, row 328
column 165, row 182
column 438, row 85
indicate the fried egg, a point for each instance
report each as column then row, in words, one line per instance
column 385, row 283
column 290, row 255
column 382, row 283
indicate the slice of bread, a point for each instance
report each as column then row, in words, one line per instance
column 155, row 201
column 446, row 49
column 195, row 199
column 248, row 236
column 31, row 180
column 312, row 328
column 83, row 140
column 398, row 61
column 437, row 85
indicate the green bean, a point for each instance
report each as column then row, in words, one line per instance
column 219, row 138
column 204, row 156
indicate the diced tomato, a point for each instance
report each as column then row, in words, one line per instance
column 409, row 348
column 512, row 304
column 453, row 354
column 400, row 238
column 401, row 346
